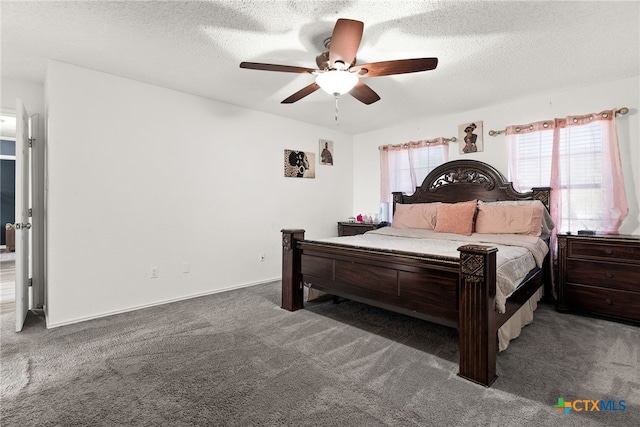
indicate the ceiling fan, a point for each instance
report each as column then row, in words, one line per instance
column 337, row 72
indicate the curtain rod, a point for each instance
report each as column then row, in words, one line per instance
column 428, row 141
column 621, row 111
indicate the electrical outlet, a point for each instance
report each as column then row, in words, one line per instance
column 154, row 272
column 261, row 256
column 186, row 267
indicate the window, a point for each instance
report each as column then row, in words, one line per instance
column 531, row 158
column 578, row 157
column 405, row 166
column 580, row 162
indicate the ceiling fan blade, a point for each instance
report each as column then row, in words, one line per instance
column 364, row 93
column 400, row 66
column 345, row 41
column 307, row 90
column 274, row 67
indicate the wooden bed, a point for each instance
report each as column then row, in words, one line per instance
column 456, row 292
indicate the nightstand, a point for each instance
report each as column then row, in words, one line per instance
column 599, row 275
column 353, row 228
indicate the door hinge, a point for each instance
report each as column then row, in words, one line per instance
column 31, row 141
column 30, row 281
column 30, row 212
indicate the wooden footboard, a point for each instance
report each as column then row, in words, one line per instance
column 450, row 292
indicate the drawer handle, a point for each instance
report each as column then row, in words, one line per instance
column 608, row 251
column 608, row 301
column 608, row 275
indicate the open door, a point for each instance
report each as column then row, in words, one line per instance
column 23, row 225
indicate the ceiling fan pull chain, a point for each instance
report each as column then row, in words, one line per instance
column 336, row 109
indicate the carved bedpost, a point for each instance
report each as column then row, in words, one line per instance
column 544, row 195
column 397, row 198
column 477, row 316
column 292, row 293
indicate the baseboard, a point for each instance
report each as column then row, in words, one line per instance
column 154, row 304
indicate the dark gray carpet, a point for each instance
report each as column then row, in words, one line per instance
column 237, row 359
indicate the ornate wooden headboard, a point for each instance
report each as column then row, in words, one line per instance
column 462, row 180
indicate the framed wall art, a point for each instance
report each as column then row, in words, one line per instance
column 299, row 164
column 326, row 152
column 470, row 140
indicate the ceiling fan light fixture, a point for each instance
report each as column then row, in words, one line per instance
column 336, row 82
column 337, row 72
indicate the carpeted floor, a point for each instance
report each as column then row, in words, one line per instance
column 237, row 359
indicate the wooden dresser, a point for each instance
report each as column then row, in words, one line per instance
column 353, row 228
column 599, row 275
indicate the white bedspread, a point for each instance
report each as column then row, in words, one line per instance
column 517, row 254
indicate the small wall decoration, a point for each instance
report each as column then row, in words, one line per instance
column 470, row 140
column 326, row 152
column 299, row 164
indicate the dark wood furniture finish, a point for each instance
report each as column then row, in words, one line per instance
column 353, row 228
column 457, row 292
column 600, row 275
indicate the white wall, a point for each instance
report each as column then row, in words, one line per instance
column 32, row 95
column 621, row 93
column 142, row 176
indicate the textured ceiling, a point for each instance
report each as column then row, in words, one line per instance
column 489, row 51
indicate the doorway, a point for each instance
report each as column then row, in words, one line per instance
column 7, row 211
column 25, row 267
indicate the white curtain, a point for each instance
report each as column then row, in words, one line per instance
column 579, row 158
column 403, row 167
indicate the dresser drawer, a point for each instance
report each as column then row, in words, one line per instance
column 607, row 302
column 604, row 274
column 603, row 250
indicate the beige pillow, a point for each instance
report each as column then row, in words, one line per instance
column 456, row 217
column 547, row 222
column 505, row 219
column 419, row 215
